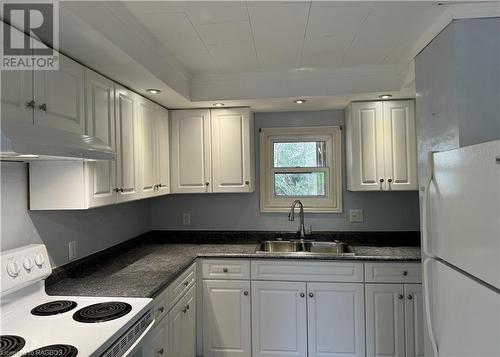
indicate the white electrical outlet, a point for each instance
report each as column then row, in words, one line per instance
column 356, row 215
column 186, row 219
column 72, row 250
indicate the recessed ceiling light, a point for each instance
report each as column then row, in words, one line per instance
column 27, row 155
column 299, row 101
column 385, row 96
column 218, row 104
column 153, row 91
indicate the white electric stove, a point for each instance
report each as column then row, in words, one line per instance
column 36, row 324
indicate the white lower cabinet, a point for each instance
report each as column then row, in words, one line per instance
column 279, row 319
column 226, row 318
column 154, row 344
column 181, row 327
column 336, row 320
column 394, row 320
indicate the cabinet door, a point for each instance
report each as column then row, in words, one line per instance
column 385, row 335
column 126, row 143
column 162, row 148
column 59, row 97
column 336, row 320
column 226, row 318
column 400, row 145
column 17, row 90
column 279, row 326
column 147, row 148
column 182, row 327
column 232, row 133
column 155, row 342
column 100, row 120
column 190, row 151
column 365, row 147
column 414, row 320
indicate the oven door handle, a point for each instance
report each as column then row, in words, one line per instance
column 132, row 348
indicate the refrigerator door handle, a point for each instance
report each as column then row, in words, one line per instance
column 428, row 316
column 428, row 182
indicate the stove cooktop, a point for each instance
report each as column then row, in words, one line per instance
column 54, row 307
column 105, row 311
column 11, row 344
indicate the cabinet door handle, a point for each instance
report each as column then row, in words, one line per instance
column 43, row 107
column 247, row 183
column 159, row 352
column 381, row 182
column 225, row 270
column 161, row 309
column 389, row 181
column 302, row 295
column 30, row 104
column 400, row 296
column 245, row 293
column 186, row 283
column 410, row 297
column 311, row 295
column 405, row 273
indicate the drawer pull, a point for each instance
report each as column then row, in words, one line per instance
column 405, row 273
column 225, row 270
column 186, row 283
column 161, row 309
column 159, row 352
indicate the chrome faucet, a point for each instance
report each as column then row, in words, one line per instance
column 291, row 217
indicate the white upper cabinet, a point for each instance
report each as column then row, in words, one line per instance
column 400, row 145
column 17, row 96
column 127, row 159
column 163, row 150
column 100, row 123
column 147, row 148
column 212, row 151
column 381, row 146
column 59, row 97
column 190, row 151
column 336, row 320
column 232, row 150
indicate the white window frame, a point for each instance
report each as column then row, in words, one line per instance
column 332, row 201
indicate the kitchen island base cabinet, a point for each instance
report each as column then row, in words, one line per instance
column 279, row 319
column 226, row 318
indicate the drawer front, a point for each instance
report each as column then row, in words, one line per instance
column 159, row 308
column 223, row 269
column 180, row 285
column 393, row 273
column 302, row 270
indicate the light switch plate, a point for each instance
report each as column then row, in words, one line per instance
column 356, row 215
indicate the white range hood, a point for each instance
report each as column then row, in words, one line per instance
column 22, row 141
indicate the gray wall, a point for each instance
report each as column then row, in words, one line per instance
column 382, row 210
column 457, row 80
column 93, row 230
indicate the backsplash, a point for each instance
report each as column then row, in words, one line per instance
column 93, row 230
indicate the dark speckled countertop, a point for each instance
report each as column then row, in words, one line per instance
column 145, row 269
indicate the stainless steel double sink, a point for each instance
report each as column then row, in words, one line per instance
column 304, row 247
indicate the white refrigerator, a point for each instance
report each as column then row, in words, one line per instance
column 461, row 252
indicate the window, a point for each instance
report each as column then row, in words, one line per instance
column 300, row 163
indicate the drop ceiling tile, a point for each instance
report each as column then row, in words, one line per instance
column 168, row 26
column 191, row 52
column 327, row 44
column 268, row 17
column 225, row 32
column 141, row 7
column 332, row 59
column 204, row 12
column 336, row 18
column 240, row 56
